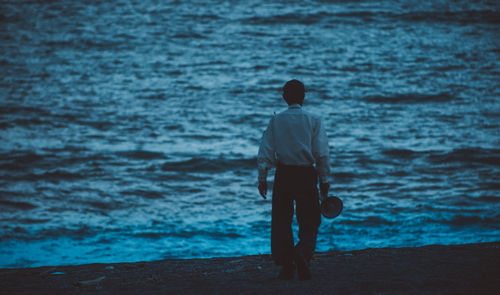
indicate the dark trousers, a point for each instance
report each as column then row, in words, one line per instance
column 299, row 184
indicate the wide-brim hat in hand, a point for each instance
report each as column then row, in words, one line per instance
column 331, row 207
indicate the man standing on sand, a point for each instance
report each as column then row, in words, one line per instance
column 293, row 142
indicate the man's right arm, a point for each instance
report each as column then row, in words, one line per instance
column 266, row 157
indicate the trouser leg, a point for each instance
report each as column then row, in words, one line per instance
column 282, row 249
column 309, row 218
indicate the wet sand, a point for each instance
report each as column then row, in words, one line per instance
column 437, row 269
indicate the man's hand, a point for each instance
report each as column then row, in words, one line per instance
column 263, row 189
column 323, row 190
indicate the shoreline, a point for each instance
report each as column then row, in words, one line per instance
column 433, row 269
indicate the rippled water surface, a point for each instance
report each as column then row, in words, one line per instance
column 129, row 129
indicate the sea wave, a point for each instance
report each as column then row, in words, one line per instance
column 17, row 205
column 189, row 234
column 369, row 221
column 410, row 98
column 468, row 156
column 210, row 165
column 23, row 234
column 141, row 155
column 472, row 220
column 147, row 194
column 369, row 16
column 471, row 155
column 400, row 153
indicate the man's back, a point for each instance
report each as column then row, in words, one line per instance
column 295, row 137
column 295, row 130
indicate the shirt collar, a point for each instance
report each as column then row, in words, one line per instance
column 295, row 106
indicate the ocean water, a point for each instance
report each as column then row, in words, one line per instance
column 129, row 129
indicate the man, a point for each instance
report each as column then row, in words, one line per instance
column 293, row 142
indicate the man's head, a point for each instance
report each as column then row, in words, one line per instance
column 294, row 92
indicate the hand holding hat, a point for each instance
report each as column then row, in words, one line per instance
column 331, row 207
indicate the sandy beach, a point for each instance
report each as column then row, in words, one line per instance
column 435, row 269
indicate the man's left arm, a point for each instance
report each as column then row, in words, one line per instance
column 321, row 155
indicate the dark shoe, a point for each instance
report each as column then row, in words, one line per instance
column 302, row 268
column 287, row 272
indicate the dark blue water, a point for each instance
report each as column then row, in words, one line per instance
column 129, row 129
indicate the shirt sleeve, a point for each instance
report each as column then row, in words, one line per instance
column 321, row 153
column 266, row 157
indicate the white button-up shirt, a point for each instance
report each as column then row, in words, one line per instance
column 294, row 137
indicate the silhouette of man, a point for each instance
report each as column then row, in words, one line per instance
column 293, row 142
